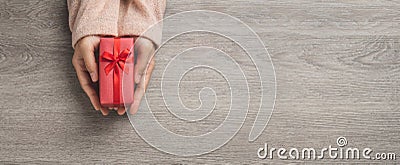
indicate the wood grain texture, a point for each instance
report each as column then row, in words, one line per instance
column 337, row 67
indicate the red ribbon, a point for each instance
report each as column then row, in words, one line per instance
column 117, row 60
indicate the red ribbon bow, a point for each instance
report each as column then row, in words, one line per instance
column 117, row 60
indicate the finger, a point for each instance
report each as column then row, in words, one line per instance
column 140, row 89
column 86, row 84
column 91, row 65
column 148, row 73
column 139, row 92
column 121, row 111
column 104, row 111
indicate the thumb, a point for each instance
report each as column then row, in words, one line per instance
column 90, row 63
column 144, row 50
column 87, row 52
column 139, row 69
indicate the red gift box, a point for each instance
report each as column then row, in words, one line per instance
column 116, row 65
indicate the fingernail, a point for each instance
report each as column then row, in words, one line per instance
column 132, row 112
column 93, row 76
column 115, row 108
column 95, row 107
column 137, row 78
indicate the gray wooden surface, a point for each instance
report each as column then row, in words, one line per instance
column 337, row 68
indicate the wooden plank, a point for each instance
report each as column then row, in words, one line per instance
column 337, row 69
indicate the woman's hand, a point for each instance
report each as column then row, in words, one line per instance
column 144, row 49
column 86, row 69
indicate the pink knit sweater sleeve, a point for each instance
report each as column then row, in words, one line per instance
column 114, row 18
